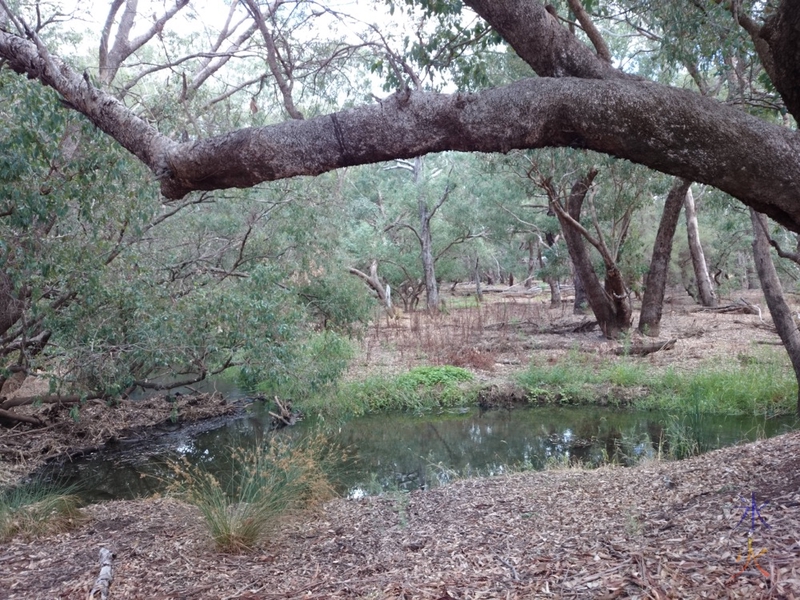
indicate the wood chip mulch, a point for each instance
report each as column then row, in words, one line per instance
column 659, row 530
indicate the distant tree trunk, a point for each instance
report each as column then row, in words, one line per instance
column 773, row 294
column 656, row 280
column 533, row 250
column 431, row 288
column 704, row 289
column 374, row 282
column 581, row 301
column 478, row 291
column 551, row 240
column 609, row 302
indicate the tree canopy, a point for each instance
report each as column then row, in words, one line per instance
column 579, row 98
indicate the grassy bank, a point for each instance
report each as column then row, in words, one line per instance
column 759, row 384
column 419, row 389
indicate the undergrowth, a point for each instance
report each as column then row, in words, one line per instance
column 419, row 389
column 760, row 384
column 37, row 508
column 242, row 502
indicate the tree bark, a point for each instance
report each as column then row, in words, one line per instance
column 670, row 130
column 705, row 290
column 773, row 294
column 581, row 300
column 609, row 302
column 656, row 280
column 426, row 240
column 374, row 282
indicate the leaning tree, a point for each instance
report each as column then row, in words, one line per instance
column 576, row 96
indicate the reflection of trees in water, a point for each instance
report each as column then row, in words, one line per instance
column 403, row 451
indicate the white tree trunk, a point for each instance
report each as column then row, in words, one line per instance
column 704, row 288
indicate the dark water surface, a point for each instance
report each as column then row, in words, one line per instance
column 404, row 451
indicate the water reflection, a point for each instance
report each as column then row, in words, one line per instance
column 404, row 452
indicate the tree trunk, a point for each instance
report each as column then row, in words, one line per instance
column 610, row 304
column 656, row 280
column 704, row 289
column 555, row 292
column 581, row 301
column 374, row 282
column 551, row 240
column 773, row 294
column 426, row 241
column 478, row 291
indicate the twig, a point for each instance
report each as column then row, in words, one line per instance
column 509, row 565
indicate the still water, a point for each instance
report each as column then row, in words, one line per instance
column 405, row 451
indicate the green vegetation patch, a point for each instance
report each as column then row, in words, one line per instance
column 420, row 389
column 38, row 508
column 762, row 383
column 243, row 502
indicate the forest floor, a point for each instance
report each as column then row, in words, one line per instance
column 659, row 530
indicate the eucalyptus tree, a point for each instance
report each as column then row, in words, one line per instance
column 412, row 216
column 579, row 99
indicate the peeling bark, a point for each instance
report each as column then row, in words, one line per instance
column 705, row 290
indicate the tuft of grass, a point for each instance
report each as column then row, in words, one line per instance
column 37, row 508
column 259, row 485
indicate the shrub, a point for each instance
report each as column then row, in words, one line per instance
column 36, row 508
column 259, row 484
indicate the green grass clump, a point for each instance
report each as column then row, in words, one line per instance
column 244, row 502
column 37, row 508
column 420, row 389
column 763, row 384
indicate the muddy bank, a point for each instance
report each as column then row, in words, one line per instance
column 24, row 449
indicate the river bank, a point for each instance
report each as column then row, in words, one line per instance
column 494, row 342
column 657, row 530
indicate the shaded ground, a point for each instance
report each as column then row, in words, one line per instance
column 23, row 449
column 659, row 530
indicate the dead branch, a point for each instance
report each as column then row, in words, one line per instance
column 106, row 575
column 644, row 349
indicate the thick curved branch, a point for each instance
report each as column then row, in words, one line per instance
column 673, row 131
column 782, row 33
column 670, row 130
column 541, row 41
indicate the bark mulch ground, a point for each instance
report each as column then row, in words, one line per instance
column 659, row 530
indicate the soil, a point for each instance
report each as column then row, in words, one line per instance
column 658, row 530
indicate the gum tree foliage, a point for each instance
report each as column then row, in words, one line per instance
column 578, row 93
column 387, row 229
column 105, row 288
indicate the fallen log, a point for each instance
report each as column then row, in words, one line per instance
column 103, row 583
column 645, row 349
column 742, row 307
column 286, row 417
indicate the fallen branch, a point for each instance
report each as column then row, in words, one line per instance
column 5, row 414
column 742, row 307
column 106, row 576
column 645, row 349
column 286, row 417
